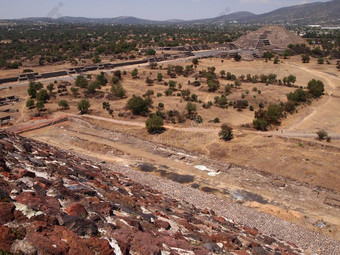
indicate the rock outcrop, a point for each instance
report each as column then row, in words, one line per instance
column 54, row 202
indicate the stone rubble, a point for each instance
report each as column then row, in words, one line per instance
column 55, row 202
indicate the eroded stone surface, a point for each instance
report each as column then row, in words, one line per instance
column 54, row 202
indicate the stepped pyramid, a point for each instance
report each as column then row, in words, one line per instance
column 268, row 38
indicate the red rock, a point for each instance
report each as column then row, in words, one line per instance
column 251, row 231
column 20, row 217
column 103, row 208
column 238, row 252
column 123, row 238
column 6, row 238
column 100, row 246
column 145, row 243
column 6, row 146
column 162, row 224
column 77, row 210
column 19, row 173
column 57, row 240
column 47, row 204
column 6, row 212
column 205, row 211
column 219, row 219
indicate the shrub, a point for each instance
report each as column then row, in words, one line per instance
column 226, row 133
column 216, row 120
column 106, row 106
column 321, row 61
column 83, row 106
column 322, row 134
column 74, row 91
column 63, row 104
column 305, row 58
column 261, row 124
column 154, row 124
column 118, row 90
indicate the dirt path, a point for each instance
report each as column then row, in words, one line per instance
column 330, row 86
column 142, row 124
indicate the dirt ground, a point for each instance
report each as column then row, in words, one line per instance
column 299, row 202
column 299, row 175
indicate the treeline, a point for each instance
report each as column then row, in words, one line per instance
column 66, row 42
column 272, row 116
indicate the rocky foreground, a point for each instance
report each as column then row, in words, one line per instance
column 53, row 202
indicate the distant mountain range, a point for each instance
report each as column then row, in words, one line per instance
column 312, row 13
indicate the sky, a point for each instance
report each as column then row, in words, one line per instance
column 147, row 9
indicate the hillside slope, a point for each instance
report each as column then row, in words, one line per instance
column 53, row 202
column 323, row 12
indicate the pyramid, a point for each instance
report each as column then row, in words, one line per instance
column 268, row 38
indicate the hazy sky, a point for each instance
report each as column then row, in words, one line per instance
column 149, row 9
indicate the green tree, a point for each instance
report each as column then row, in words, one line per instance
column 33, row 88
column 63, row 104
column 150, row 52
column 50, row 87
column 298, row 95
column 222, row 73
column 159, row 77
column 74, row 91
column 291, row 79
column 149, row 81
column 274, row 113
column 261, row 124
column 93, row 86
column 305, row 58
column 268, row 55
column 237, row 57
column 81, row 81
column 191, row 108
column 101, row 79
column 213, row 85
column 226, row 133
column 118, row 90
column 30, row 103
column 43, row 95
column 138, row 105
column 83, row 106
column 134, row 73
column 316, row 88
column 321, row 61
column 154, row 124
column 195, row 61
column 40, row 105
column 322, row 134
